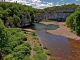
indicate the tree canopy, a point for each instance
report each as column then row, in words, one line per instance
column 73, row 21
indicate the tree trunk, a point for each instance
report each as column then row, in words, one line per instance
column 1, row 56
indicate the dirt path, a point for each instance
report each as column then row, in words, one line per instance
column 31, row 41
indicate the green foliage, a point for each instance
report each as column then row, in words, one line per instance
column 15, row 19
column 12, row 43
column 40, row 57
column 73, row 21
column 21, row 51
column 23, row 48
column 4, row 36
column 27, row 58
column 14, row 11
column 47, row 52
column 52, row 58
column 38, row 49
column 61, row 7
column 16, row 37
column 44, row 47
column 9, row 57
column 32, row 34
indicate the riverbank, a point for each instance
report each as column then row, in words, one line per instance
column 37, row 48
column 62, row 30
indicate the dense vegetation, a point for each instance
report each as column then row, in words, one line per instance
column 73, row 21
column 12, row 45
column 12, row 40
column 61, row 7
column 13, row 12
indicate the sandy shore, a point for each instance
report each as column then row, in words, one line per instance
column 62, row 30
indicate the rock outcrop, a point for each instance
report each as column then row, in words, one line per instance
column 23, row 22
column 59, row 15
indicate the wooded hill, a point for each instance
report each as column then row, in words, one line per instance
column 17, row 15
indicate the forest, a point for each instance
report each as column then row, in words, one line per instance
column 12, row 13
column 73, row 21
column 12, row 44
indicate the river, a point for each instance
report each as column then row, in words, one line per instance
column 60, row 47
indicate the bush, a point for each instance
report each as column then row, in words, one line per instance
column 32, row 34
column 38, row 49
column 21, row 51
column 27, row 58
column 9, row 57
column 44, row 47
column 23, row 48
column 52, row 58
column 73, row 21
column 48, row 52
column 40, row 57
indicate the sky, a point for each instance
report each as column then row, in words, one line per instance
column 40, row 4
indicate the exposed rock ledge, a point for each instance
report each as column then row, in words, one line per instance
column 59, row 15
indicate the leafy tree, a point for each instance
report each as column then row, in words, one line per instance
column 73, row 21
column 9, row 57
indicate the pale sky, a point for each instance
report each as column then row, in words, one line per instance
column 45, row 3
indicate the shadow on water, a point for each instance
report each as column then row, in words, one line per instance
column 60, row 47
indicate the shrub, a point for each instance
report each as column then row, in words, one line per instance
column 27, row 58
column 21, row 51
column 9, row 57
column 40, row 57
column 23, row 48
column 44, row 47
column 48, row 52
column 38, row 49
column 52, row 58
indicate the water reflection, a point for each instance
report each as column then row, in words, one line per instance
column 58, row 45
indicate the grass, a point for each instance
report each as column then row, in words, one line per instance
column 47, row 20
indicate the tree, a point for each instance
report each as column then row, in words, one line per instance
column 73, row 21
column 3, row 37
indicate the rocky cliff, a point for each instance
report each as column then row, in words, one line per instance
column 23, row 22
column 58, row 15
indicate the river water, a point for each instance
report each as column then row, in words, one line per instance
column 60, row 47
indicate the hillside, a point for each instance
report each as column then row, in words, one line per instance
column 17, row 15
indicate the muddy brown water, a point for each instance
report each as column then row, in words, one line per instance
column 61, row 48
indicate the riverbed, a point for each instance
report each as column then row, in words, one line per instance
column 61, row 48
column 60, row 45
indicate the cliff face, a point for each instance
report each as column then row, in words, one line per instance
column 23, row 22
column 59, row 15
